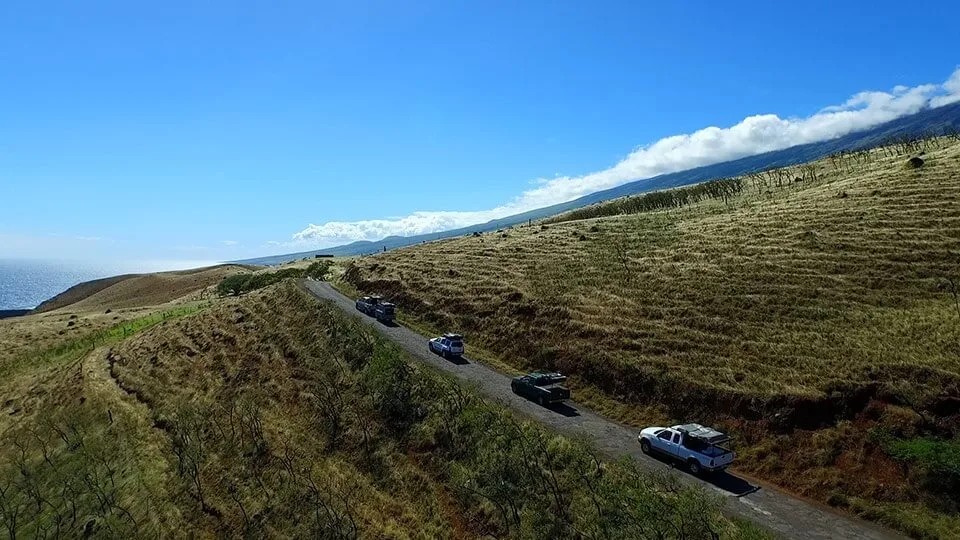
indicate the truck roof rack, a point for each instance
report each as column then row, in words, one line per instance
column 710, row 435
column 549, row 375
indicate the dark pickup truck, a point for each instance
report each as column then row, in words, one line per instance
column 384, row 312
column 376, row 307
column 544, row 388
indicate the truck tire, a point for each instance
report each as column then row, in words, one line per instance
column 541, row 401
column 694, row 467
column 645, row 446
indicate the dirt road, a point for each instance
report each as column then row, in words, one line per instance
column 787, row 515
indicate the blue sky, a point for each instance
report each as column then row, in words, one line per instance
column 172, row 131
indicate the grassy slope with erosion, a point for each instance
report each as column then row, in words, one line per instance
column 274, row 414
column 808, row 316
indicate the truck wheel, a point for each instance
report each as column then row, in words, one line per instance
column 645, row 446
column 694, row 466
column 541, row 401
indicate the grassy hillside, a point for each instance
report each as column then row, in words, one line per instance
column 133, row 290
column 274, row 414
column 811, row 313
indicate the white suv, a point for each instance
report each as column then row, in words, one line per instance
column 447, row 345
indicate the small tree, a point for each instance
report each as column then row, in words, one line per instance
column 233, row 285
column 950, row 286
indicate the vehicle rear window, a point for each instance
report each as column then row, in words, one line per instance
column 456, row 343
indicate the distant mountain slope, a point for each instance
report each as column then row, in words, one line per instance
column 939, row 120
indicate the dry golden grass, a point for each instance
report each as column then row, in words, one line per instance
column 798, row 292
column 95, row 306
column 22, row 335
column 275, row 415
column 252, row 362
column 97, row 432
column 793, row 316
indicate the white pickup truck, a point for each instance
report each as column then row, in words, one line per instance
column 699, row 448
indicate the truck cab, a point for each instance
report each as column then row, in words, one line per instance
column 698, row 447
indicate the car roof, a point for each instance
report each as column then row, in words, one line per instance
column 452, row 336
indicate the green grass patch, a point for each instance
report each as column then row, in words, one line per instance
column 78, row 347
column 936, row 455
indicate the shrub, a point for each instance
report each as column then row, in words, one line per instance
column 319, row 270
column 937, row 461
column 233, row 285
column 238, row 284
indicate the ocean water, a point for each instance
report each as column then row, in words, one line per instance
column 25, row 283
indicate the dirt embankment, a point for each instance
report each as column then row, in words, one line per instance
column 680, row 397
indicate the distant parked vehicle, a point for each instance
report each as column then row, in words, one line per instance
column 699, row 448
column 544, row 388
column 368, row 304
column 385, row 312
column 447, row 345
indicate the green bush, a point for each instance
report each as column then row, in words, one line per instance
column 319, row 270
column 937, row 461
column 936, row 455
column 238, row 284
column 233, row 285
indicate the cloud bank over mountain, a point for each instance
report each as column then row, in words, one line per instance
column 751, row 136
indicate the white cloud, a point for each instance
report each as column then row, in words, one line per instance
column 951, row 90
column 753, row 135
column 230, row 243
column 79, row 238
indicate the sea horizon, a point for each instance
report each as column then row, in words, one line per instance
column 26, row 283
